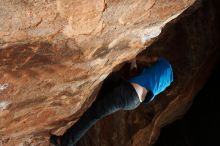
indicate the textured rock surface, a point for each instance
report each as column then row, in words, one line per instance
column 192, row 44
column 53, row 54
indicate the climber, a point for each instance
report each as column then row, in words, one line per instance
column 117, row 94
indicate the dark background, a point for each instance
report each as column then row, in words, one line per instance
column 201, row 124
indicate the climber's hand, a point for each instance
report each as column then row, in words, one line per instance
column 133, row 64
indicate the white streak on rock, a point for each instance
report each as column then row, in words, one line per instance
column 4, row 105
column 3, row 86
column 150, row 33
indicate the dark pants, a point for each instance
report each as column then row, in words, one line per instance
column 115, row 94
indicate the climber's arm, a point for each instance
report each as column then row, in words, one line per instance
column 133, row 64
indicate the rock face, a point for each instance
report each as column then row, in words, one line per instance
column 54, row 55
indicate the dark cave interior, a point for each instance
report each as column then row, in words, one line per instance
column 200, row 125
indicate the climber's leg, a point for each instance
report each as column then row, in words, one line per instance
column 109, row 83
column 122, row 96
